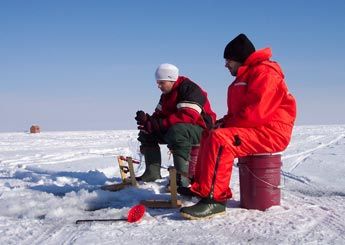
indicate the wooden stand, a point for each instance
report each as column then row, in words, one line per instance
column 173, row 202
column 124, row 170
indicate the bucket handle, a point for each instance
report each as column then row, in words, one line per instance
column 258, row 178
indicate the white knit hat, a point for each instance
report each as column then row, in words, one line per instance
column 167, row 72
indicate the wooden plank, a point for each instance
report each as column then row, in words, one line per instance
column 114, row 187
column 173, row 202
column 173, row 186
column 131, row 171
column 126, row 181
column 161, row 204
column 121, row 165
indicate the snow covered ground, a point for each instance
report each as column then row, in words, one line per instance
column 51, row 179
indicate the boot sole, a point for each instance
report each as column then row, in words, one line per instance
column 188, row 216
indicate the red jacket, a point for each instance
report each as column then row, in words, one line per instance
column 260, row 118
column 186, row 103
column 259, row 94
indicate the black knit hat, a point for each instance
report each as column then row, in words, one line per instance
column 239, row 49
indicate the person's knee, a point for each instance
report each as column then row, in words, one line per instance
column 178, row 128
column 228, row 138
column 176, row 134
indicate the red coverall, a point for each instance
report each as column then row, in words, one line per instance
column 260, row 118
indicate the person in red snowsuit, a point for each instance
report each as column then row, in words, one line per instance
column 260, row 118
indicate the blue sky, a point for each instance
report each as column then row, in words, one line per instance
column 89, row 65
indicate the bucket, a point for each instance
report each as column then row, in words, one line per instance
column 260, row 181
column 193, row 158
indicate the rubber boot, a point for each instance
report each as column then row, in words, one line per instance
column 205, row 208
column 153, row 162
column 181, row 166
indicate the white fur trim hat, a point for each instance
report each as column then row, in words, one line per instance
column 167, row 72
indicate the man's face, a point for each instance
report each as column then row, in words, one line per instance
column 165, row 86
column 232, row 66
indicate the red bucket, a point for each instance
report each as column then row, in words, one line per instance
column 260, row 181
column 193, row 158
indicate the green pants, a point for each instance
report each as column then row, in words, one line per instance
column 179, row 138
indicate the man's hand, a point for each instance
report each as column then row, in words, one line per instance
column 146, row 123
column 141, row 117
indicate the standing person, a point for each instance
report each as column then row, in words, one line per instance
column 181, row 115
column 260, row 119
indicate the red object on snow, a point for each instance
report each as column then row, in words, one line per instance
column 136, row 213
column 260, row 181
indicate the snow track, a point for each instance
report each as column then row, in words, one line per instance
column 325, row 218
column 302, row 156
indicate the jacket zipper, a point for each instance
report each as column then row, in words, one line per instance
column 216, row 170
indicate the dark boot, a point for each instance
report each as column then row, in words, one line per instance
column 181, row 166
column 185, row 191
column 205, row 208
column 153, row 164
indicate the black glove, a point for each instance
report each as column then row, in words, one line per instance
column 151, row 126
column 141, row 117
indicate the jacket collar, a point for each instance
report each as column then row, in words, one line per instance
column 179, row 80
column 255, row 58
column 258, row 56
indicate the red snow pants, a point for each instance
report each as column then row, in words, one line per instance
column 219, row 147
